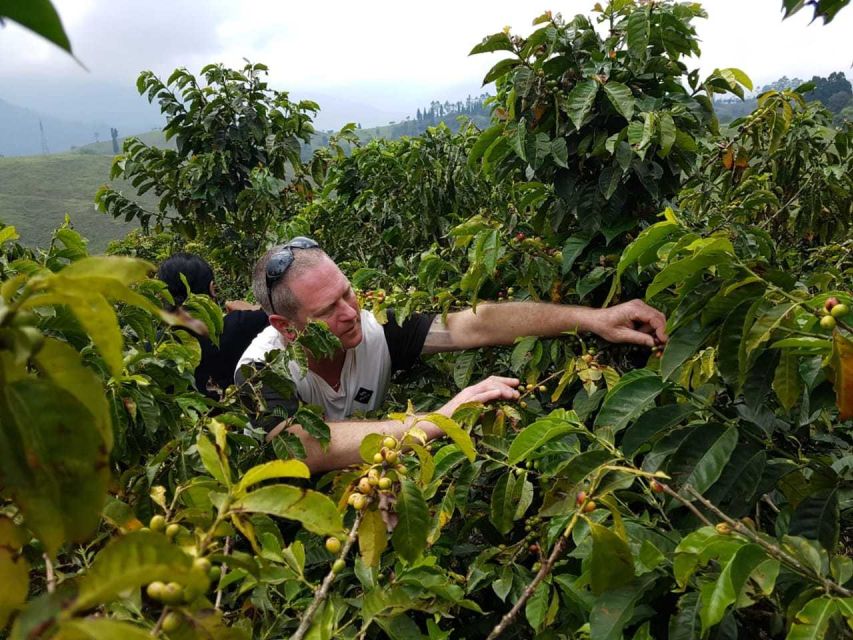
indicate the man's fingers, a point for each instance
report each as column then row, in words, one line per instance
column 633, row 336
column 650, row 316
column 512, row 382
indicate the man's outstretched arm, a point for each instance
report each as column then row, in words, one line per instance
column 501, row 323
column 346, row 436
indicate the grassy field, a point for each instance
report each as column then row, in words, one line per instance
column 37, row 191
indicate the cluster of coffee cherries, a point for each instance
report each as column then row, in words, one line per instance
column 379, row 477
column 174, row 594
column 832, row 311
column 527, row 389
column 588, row 506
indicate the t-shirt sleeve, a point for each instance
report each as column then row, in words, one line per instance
column 406, row 342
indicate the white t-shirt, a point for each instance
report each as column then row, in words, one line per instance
column 367, row 368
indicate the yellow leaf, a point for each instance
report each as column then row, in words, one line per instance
column 842, row 365
column 372, row 537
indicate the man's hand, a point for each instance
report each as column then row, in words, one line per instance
column 492, row 388
column 634, row 322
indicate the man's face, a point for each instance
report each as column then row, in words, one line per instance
column 325, row 294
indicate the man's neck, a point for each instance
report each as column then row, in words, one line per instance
column 329, row 368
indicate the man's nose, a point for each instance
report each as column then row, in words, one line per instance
column 346, row 311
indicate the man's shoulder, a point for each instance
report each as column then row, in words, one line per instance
column 267, row 340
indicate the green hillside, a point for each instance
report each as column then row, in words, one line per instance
column 37, row 191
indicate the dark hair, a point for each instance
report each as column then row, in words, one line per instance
column 198, row 273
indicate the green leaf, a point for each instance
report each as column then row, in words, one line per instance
column 621, row 98
column 654, row 422
column 273, row 469
column 731, row 334
column 580, row 466
column 786, row 380
column 93, row 312
column 100, row 629
column 686, row 624
column 739, row 480
column 812, row 620
column 214, row 460
column 560, row 152
column 495, row 42
column 456, row 433
column 38, row 16
column 131, row 561
column 505, row 498
column 372, row 537
column 683, row 344
column 537, row 605
column 702, row 455
column 647, row 243
column 410, row 534
column 578, row 103
column 316, row 512
column 500, row 69
column 666, row 133
column 572, row 249
column 765, row 325
column 817, row 517
column 637, row 33
column 16, row 579
column 681, row 270
column 314, row 425
column 716, row 597
column 538, row 434
column 54, row 463
column 627, row 401
column 61, row 364
column 613, row 609
column 611, row 563
column 463, row 368
column 117, row 268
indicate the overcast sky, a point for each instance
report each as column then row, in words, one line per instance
column 381, row 59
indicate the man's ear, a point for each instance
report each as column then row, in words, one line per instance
column 284, row 326
column 212, row 289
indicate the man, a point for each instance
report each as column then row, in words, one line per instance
column 297, row 282
column 215, row 371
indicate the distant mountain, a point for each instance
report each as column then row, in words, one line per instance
column 20, row 134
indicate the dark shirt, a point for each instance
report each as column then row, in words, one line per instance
column 217, row 364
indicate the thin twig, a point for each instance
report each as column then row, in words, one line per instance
column 226, row 551
column 156, row 630
column 323, row 591
column 668, row 491
column 544, row 571
column 772, row 549
column 49, row 573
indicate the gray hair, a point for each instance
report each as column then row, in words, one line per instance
column 284, row 300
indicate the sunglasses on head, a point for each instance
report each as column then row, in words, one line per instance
column 280, row 262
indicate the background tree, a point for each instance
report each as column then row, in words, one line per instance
column 236, row 169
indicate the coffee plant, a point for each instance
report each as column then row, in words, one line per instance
column 702, row 489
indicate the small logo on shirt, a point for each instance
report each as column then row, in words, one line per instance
column 363, row 396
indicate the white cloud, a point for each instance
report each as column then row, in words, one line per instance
column 391, row 54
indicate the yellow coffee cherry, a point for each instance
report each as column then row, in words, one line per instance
column 333, row 545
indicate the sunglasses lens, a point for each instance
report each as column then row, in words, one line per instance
column 301, row 242
column 280, row 262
